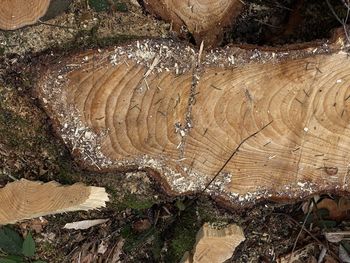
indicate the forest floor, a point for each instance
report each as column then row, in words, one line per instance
column 145, row 225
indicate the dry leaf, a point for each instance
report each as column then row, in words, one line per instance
column 117, row 251
column 304, row 254
column 322, row 255
column 102, row 248
column 37, row 225
column 344, row 204
column 332, row 206
column 335, row 237
column 343, row 254
column 85, row 224
column 47, row 237
column 89, row 258
column 329, row 259
column 141, row 225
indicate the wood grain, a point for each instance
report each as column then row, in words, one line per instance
column 26, row 199
column 206, row 20
column 239, row 124
column 216, row 244
column 18, row 13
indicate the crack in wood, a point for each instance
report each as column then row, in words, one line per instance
column 233, row 154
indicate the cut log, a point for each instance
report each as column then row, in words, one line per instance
column 18, row 13
column 239, row 124
column 15, row 14
column 26, row 199
column 215, row 244
column 206, row 20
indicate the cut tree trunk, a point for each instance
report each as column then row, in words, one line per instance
column 206, row 20
column 238, row 123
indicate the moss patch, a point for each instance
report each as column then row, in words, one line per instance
column 99, row 5
column 135, row 202
column 183, row 235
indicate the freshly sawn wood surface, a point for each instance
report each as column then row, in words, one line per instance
column 27, row 199
column 240, row 124
column 206, row 20
column 215, row 244
column 18, row 13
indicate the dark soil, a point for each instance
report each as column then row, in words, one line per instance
column 278, row 22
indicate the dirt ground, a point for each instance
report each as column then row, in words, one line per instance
column 144, row 225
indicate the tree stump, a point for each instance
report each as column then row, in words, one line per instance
column 206, row 20
column 239, row 123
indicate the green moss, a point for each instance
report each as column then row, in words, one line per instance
column 120, row 200
column 121, row 7
column 157, row 246
column 99, row 5
column 89, row 39
column 105, row 5
column 136, row 202
column 134, row 240
column 184, row 235
column 95, row 41
column 13, row 129
column 66, row 175
column 126, row 231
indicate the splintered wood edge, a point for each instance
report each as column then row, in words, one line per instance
column 25, row 199
column 183, row 60
column 215, row 244
column 24, row 13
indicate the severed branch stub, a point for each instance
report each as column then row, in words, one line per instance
column 240, row 124
column 206, row 20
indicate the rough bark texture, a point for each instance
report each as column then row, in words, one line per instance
column 239, row 124
column 206, row 20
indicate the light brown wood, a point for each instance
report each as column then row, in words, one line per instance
column 206, row 20
column 238, row 124
column 26, row 199
column 215, row 244
column 18, row 13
